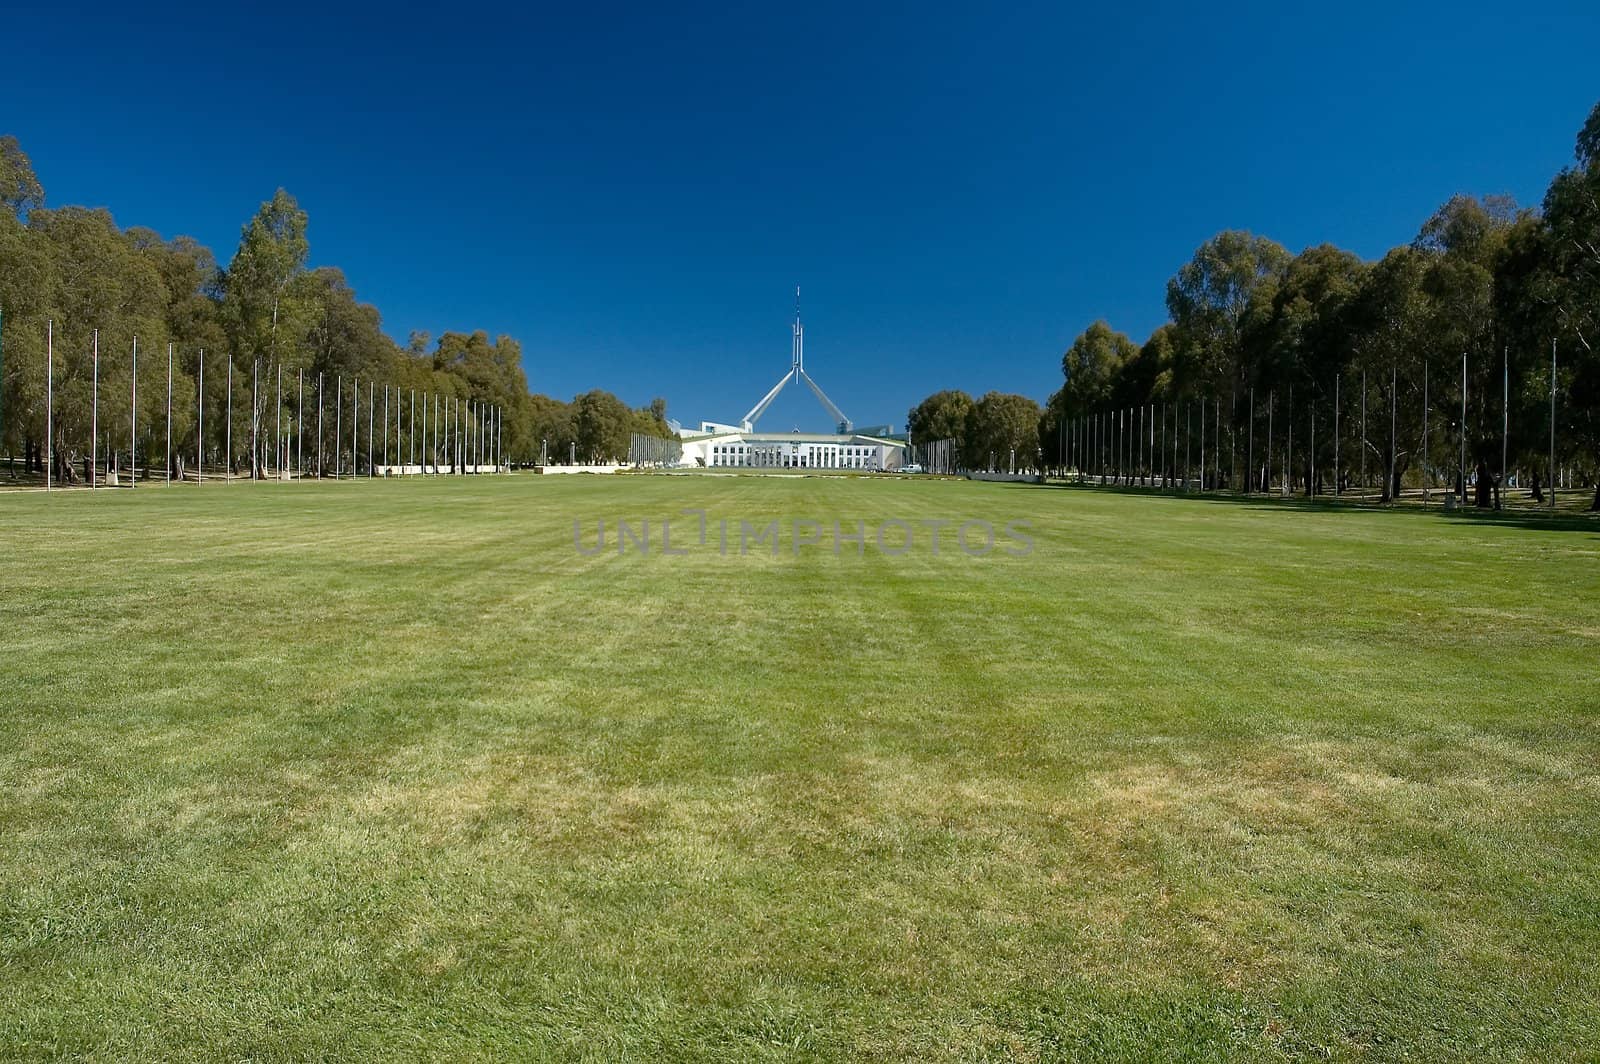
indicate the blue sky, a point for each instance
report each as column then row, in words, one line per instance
column 634, row 192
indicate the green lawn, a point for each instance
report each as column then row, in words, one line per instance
column 379, row 770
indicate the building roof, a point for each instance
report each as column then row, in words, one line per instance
column 846, row 439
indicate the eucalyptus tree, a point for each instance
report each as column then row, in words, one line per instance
column 264, row 311
column 1003, row 428
column 1571, row 288
column 941, row 416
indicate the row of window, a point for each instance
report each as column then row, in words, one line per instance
column 782, row 458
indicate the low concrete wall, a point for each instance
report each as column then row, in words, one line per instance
column 1009, row 478
column 431, row 470
column 551, row 470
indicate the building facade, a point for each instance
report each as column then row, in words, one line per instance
column 793, row 450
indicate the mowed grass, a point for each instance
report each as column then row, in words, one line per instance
column 390, row 770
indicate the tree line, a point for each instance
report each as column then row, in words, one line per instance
column 1255, row 331
column 72, row 279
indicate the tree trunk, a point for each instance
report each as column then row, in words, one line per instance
column 1484, row 491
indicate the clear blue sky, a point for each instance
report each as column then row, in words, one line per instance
column 634, row 192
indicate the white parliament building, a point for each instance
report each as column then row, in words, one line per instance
column 715, row 445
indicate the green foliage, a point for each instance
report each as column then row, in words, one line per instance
column 1484, row 278
column 1208, row 300
column 941, row 416
column 1002, row 427
column 20, row 191
column 266, row 311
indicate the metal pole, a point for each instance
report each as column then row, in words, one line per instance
column 300, row 423
column 1392, row 489
column 1427, row 481
column 319, row 426
column 355, row 423
column 1505, row 423
column 133, row 421
column 1174, row 446
column 385, row 426
column 94, row 420
column 200, row 422
column 1336, row 486
column 255, row 418
column 49, row 404
column 1272, row 398
column 1462, row 472
column 1202, row 445
column 1188, row 435
column 1250, row 447
column 279, row 446
column 1552, row 423
column 338, row 426
column 227, row 459
column 169, row 413
column 1363, row 435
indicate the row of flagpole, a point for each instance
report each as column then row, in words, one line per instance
column 1130, row 444
column 467, row 434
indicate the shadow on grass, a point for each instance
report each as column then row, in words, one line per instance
column 1543, row 520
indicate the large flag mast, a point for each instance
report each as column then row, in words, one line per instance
column 797, row 371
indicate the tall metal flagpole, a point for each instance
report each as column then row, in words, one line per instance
column 1311, row 473
column 1427, row 481
column 49, row 404
column 1391, row 489
column 338, row 426
column 371, row 407
column 1552, row 423
column 1272, row 402
column 1288, row 458
column 133, row 420
column 300, row 423
column 386, row 426
column 169, row 413
column 94, row 420
column 1250, row 447
column 319, row 425
column 1505, row 422
column 411, row 431
column 1461, row 475
column 227, row 445
column 355, row 422
column 200, row 423
column 1363, row 435
column 1336, row 485
column 255, row 416
column 279, row 446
